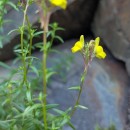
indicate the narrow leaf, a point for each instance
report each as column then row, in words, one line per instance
column 14, row 30
column 71, row 125
column 5, row 65
column 74, row 88
column 13, row 5
column 83, row 107
column 59, row 38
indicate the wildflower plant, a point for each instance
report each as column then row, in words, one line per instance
column 88, row 50
column 21, row 107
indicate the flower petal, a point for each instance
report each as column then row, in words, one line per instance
column 75, row 49
column 101, row 55
column 97, row 40
column 60, row 3
column 78, row 45
column 82, row 39
column 98, row 49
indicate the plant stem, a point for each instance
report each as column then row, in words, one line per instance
column 31, row 37
column 22, row 47
column 80, row 91
column 44, row 71
column 30, row 42
column 23, row 59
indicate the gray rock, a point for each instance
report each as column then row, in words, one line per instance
column 76, row 20
column 111, row 23
column 104, row 91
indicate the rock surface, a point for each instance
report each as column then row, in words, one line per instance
column 112, row 23
column 104, row 90
column 76, row 20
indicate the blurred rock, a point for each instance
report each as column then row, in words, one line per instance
column 104, row 91
column 76, row 20
column 112, row 23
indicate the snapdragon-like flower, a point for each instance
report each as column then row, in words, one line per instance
column 98, row 50
column 78, row 45
column 59, row 3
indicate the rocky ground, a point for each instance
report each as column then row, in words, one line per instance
column 105, row 89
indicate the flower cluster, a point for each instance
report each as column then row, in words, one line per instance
column 93, row 45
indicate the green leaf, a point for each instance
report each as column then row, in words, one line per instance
column 60, row 29
column 5, row 65
column 75, row 88
column 49, row 33
column 83, row 107
column 40, row 97
column 64, row 121
column 63, row 113
column 71, row 125
column 5, row 102
column 39, row 45
column 59, row 38
column 29, row 109
column 53, row 126
column 49, row 74
column 4, row 125
column 15, row 110
column 38, row 33
column 59, row 111
column 14, row 30
column 48, row 45
column 51, row 106
column 29, row 97
column 82, row 78
column 35, row 70
column 12, row 5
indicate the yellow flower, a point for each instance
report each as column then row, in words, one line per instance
column 78, row 45
column 98, row 50
column 59, row 3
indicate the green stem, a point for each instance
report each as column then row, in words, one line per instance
column 44, row 72
column 30, row 42
column 23, row 59
column 29, row 29
column 80, row 91
column 22, row 47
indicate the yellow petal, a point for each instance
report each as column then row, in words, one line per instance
column 59, row 3
column 78, row 45
column 99, row 52
column 101, row 55
column 98, row 49
column 97, row 40
column 82, row 39
column 75, row 49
